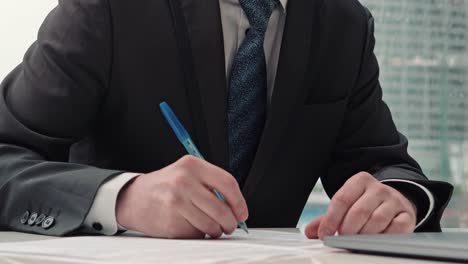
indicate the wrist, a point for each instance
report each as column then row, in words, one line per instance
column 123, row 210
column 414, row 195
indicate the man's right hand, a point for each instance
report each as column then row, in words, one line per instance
column 178, row 201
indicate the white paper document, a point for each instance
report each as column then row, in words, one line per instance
column 260, row 246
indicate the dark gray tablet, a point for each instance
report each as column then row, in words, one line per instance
column 442, row 246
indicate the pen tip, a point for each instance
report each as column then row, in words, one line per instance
column 243, row 226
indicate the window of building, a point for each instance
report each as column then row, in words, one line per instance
column 426, row 90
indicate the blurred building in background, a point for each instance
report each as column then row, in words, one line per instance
column 422, row 48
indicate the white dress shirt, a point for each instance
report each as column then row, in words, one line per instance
column 234, row 24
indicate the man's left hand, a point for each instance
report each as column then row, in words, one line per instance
column 365, row 206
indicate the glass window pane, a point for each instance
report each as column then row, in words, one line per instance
column 422, row 50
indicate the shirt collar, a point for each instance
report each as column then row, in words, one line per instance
column 284, row 4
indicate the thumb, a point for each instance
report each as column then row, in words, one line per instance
column 311, row 230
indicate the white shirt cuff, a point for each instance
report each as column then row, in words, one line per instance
column 430, row 197
column 101, row 217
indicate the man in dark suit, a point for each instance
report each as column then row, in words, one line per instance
column 275, row 93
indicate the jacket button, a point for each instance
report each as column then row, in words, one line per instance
column 48, row 222
column 32, row 219
column 40, row 219
column 97, row 226
column 25, row 217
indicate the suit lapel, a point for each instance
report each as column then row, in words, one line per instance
column 203, row 22
column 300, row 28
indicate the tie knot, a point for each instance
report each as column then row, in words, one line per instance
column 258, row 12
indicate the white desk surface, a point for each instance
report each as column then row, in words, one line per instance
column 328, row 258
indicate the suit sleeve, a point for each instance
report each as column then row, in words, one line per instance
column 369, row 141
column 49, row 102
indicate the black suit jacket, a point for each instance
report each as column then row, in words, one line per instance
column 83, row 108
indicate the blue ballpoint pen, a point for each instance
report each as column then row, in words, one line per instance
column 185, row 139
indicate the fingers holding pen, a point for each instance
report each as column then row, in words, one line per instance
column 181, row 198
column 220, row 212
column 215, row 178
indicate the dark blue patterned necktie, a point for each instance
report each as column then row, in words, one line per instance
column 248, row 89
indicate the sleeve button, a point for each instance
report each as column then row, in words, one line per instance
column 32, row 219
column 25, row 217
column 48, row 222
column 40, row 219
column 97, row 226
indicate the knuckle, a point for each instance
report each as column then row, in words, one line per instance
column 231, row 183
column 367, row 175
column 362, row 178
column 180, row 181
column 402, row 221
column 222, row 213
column 183, row 171
column 189, row 161
column 363, row 175
column 382, row 190
column 360, row 212
column 173, row 199
column 342, row 199
column 385, row 188
column 379, row 217
column 399, row 200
